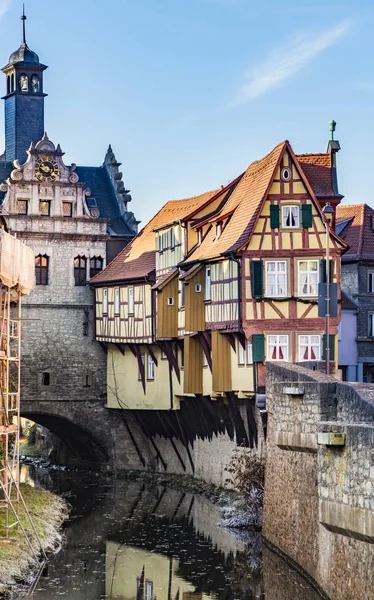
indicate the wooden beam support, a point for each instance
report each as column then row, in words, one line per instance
column 121, row 348
column 206, row 345
column 173, row 360
column 138, row 355
column 153, row 355
column 231, row 339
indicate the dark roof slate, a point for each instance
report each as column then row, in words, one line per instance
column 97, row 179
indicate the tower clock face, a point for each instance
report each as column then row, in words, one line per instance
column 46, row 168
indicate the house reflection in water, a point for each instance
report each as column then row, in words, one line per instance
column 134, row 574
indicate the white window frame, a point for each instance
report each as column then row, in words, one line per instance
column 278, row 272
column 308, row 344
column 281, row 341
column 340, row 332
column 309, row 273
column 249, row 353
column 105, row 301
column 290, row 208
column 371, row 282
column 208, row 284
column 150, row 368
column 241, row 355
column 142, row 357
column 130, row 300
column 172, row 238
column 160, row 242
column 116, row 301
column 371, row 325
column 149, row 590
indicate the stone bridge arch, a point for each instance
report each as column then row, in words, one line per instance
column 92, row 433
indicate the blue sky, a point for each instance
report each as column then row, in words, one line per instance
column 189, row 92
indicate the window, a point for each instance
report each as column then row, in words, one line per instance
column 199, row 236
column 151, row 367
column 371, row 324
column 22, row 207
column 172, row 239
column 160, row 242
column 207, row 284
column 290, row 216
column 183, row 295
column 371, row 282
column 277, row 347
column 286, row 174
column 218, row 229
column 205, row 362
column 41, row 269
column 44, row 207
column 130, row 300
column 340, row 332
column 276, row 278
column 149, row 590
column 142, row 357
column 163, row 355
column 24, row 83
column 46, row 378
column 96, row 265
column 80, row 270
column 182, row 358
column 105, row 301
column 308, row 277
column 35, row 87
column 67, row 209
column 241, row 354
column 116, row 301
column 309, row 347
column 249, row 354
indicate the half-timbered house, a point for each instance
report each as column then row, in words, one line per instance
column 216, row 286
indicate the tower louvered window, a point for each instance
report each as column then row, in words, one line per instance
column 80, row 270
column 41, row 269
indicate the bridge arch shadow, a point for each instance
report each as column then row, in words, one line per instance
column 81, row 445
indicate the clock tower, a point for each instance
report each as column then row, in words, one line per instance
column 24, row 101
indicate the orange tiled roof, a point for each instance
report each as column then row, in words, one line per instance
column 358, row 231
column 245, row 202
column 138, row 259
column 317, row 168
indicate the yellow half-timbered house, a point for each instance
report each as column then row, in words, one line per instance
column 216, row 286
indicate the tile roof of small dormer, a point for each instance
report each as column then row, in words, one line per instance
column 317, row 168
column 358, row 231
column 138, row 259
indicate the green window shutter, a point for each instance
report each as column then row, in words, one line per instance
column 274, row 216
column 257, row 278
column 258, row 347
column 331, row 345
column 306, row 215
column 323, row 270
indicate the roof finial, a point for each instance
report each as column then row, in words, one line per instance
column 332, row 125
column 23, row 19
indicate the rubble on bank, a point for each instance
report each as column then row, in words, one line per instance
column 17, row 565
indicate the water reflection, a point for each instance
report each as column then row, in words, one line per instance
column 128, row 541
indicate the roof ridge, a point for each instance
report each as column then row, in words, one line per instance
column 312, row 154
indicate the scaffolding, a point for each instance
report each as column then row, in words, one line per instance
column 16, row 279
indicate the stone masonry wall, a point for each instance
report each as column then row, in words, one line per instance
column 319, row 497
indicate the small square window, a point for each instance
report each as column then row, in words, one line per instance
column 67, row 209
column 44, row 207
column 22, row 207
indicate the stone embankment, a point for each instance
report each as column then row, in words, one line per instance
column 17, row 565
column 319, row 484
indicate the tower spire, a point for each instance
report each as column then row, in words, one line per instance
column 23, row 19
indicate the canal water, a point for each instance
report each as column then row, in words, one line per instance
column 130, row 541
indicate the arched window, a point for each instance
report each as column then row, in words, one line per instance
column 80, row 270
column 24, row 83
column 96, row 265
column 35, row 85
column 12, row 83
column 8, row 84
column 41, row 269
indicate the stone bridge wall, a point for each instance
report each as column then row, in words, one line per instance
column 319, row 496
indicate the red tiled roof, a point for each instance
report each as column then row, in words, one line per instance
column 317, row 169
column 245, row 203
column 138, row 259
column 358, row 232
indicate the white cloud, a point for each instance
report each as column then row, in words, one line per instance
column 4, row 5
column 287, row 60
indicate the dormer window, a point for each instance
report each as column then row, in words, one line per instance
column 290, row 217
column 218, row 229
column 199, row 236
